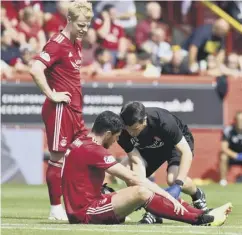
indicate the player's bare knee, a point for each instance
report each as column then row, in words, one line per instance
column 143, row 193
column 57, row 156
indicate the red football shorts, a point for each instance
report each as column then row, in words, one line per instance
column 98, row 212
column 62, row 124
column 101, row 212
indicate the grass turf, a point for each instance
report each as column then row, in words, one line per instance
column 25, row 210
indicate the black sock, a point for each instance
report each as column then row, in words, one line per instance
column 197, row 195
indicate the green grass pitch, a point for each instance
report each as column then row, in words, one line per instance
column 25, row 210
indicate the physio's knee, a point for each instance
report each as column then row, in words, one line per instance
column 223, row 158
column 170, row 179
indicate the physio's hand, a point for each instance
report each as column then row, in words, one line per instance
column 174, row 190
column 58, row 97
column 239, row 157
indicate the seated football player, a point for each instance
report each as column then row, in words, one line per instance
column 231, row 147
column 153, row 136
column 85, row 163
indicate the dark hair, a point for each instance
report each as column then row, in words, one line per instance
column 108, row 7
column 99, row 51
column 107, row 121
column 133, row 112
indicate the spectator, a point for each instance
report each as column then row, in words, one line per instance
column 9, row 11
column 103, row 60
column 9, row 25
column 112, row 35
column 160, row 49
column 102, row 63
column 153, row 21
column 176, row 66
column 149, row 70
column 23, row 64
column 30, row 28
column 54, row 23
column 206, row 39
column 9, row 49
column 231, row 147
column 36, row 5
column 232, row 68
column 126, row 13
column 89, row 46
column 131, row 62
column 212, row 67
column 6, row 71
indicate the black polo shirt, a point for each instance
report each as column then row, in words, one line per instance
column 234, row 138
column 163, row 131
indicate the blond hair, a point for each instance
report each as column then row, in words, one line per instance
column 80, row 7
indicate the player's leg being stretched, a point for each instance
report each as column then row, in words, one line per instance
column 137, row 196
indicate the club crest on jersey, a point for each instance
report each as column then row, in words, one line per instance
column 109, row 159
column 45, row 56
column 63, row 142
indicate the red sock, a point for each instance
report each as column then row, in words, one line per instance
column 190, row 208
column 53, row 179
column 162, row 207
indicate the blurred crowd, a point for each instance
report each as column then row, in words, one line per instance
column 125, row 37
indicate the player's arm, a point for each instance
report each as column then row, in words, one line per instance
column 132, row 178
column 186, row 159
column 225, row 149
column 134, row 160
column 37, row 72
column 44, row 60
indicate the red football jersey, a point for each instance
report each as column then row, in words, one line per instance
column 83, row 174
column 112, row 40
column 63, row 61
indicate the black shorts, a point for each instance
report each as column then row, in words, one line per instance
column 171, row 156
column 234, row 162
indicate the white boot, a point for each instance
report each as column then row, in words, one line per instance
column 57, row 213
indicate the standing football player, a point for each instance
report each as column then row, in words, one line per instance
column 82, row 179
column 152, row 137
column 56, row 71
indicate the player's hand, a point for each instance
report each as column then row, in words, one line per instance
column 58, row 97
column 178, row 207
column 174, row 190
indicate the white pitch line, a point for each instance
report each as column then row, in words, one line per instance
column 121, row 230
column 129, row 225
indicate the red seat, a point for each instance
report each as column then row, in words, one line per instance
column 233, row 172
